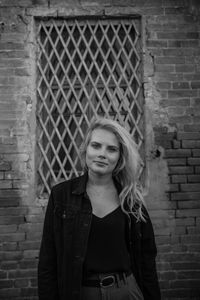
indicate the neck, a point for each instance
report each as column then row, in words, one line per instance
column 100, row 180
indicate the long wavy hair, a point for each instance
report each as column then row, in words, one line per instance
column 126, row 172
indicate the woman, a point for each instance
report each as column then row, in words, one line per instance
column 98, row 240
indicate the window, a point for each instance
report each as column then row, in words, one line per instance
column 86, row 67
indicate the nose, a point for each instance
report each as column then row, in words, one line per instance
column 102, row 153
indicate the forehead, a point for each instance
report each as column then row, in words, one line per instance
column 104, row 136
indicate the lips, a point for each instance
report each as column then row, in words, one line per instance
column 101, row 163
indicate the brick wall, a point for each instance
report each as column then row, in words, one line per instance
column 172, row 112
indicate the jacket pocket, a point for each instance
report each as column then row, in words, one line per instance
column 64, row 219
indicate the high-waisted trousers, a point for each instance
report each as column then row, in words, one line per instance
column 126, row 289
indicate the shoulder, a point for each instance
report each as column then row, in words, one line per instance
column 67, row 185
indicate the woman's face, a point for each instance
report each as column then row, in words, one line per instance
column 102, row 153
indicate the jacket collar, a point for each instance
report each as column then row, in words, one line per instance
column 79, row 185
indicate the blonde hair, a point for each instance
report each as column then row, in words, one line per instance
column 127, row 170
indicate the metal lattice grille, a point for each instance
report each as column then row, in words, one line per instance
column 86, row 68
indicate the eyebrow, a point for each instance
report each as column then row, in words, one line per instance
column 110, row 145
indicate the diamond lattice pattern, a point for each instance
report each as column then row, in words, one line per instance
column 86, row 68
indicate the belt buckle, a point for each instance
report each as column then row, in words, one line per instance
column 107, row 278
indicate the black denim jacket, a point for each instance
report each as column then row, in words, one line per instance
column 64, row 245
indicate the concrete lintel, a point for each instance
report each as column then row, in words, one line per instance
column 69, row 11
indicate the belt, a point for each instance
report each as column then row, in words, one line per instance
column 105, row 280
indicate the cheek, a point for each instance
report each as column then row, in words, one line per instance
column 89, row 154
column 115, row 159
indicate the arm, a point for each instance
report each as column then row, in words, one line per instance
column 47, row 267
column 151, row 288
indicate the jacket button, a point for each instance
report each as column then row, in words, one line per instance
column 77, row 256
column 85, row 224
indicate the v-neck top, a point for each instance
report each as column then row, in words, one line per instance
column 107, row 249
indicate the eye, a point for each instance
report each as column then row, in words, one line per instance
column 95, row 145
column 113, row 149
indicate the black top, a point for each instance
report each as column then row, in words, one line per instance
column 107, row 245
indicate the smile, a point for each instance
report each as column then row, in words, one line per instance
column 101, row 163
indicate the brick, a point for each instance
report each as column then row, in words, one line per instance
column 179, row 178
column 22, row 273
column 30, row 227
column 185, row 222
column 28, row 254
column 194, row 178
column 176, row 111
column 170, row 60
column 179, row 248
column 10, row 211
column 17, row 174
column 34, row 218
column 28, row 264
column 8, row 293
column 177, row 153
column 180, row 120
column 176, row 161
column 191, row 128
column 156, row 44
column 20, row 184
column 188, row 213
column 180, row 85
column 164, row 68
column 29, row 245
column 188, row 135
column 167, row 275
column 163, row 85
column 196, row 152
column 168, row 76
column 197, row 170
column 6, row 284
column 4, row 166
column 21, row 283
column 31, row 291
column 188, row 204
column 181, row 170
column 9, row 265
column 190, row 68
column 195, row 84
column 177, row 35
column 12, row 3
column 173, row 188
column 193, row 230
column 188, row 274
column 14, row 237
column 195, row 187
column 190, row 144
column 10, row 246
column 33, row 282
column 193, row 161
column 179, row 230
column 3, row 274
column 185, row 196
column 176, row 144
column 174, row 102
column 8, row 228
column 12, row 220
column 190, row 239
column 9, row 194
column 12, row 255
column 194, row 283
column 182, row 93
column 5, row 184
column 195, row 102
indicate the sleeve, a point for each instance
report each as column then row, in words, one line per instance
column 151, row 289
column 47, row 267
